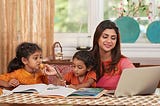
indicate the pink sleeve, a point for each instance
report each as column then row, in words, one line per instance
column 126, row 63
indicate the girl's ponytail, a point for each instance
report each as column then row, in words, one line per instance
column 14, row 64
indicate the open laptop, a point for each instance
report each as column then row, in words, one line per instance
column 138, row 81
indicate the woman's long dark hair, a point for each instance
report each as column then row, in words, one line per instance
column 25, row 49
column 115, row 52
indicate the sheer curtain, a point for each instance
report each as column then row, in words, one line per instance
column 25, row 20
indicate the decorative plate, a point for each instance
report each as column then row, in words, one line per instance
column 153, row 32
column 129, row 29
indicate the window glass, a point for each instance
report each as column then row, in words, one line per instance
column 71, row 16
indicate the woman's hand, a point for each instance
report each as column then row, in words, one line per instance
column 13, row 83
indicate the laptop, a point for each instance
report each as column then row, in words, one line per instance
column 138, row 81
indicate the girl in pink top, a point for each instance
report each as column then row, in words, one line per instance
column 106, row 49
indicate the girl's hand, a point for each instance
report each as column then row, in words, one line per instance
column 61, row 82
column 13, row 83
column 72, row 86
column 49, row 70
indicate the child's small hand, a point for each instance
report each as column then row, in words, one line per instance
column 13, row 83
column 72, row 86
column 61, row 82
column 42, row 68
column 49, row 70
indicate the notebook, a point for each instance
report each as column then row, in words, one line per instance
column 137, row 81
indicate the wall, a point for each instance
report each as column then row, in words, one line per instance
column 143, row 53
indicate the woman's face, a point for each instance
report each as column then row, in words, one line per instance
column 107, row 40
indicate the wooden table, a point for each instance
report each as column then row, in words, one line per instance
column 18, row 99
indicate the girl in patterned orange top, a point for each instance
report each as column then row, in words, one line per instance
column 25, row 67
column 82, row 74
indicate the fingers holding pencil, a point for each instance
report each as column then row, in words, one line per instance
column 60, row 77
column 50, row 70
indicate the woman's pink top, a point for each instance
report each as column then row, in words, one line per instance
column 109, row 81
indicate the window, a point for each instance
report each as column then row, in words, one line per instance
column 78, row 19
column 71, row 16
column 72, row 26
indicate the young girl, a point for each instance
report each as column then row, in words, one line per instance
column 25, row 67
column 82, row 75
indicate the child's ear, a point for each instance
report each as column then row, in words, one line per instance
column 24, row 60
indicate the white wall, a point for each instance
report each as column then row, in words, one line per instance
column 146, row 54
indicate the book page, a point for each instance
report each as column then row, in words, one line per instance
column 63, row 92
column 60, row 91
column 30, row 88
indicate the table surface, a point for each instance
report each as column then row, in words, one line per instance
column 31, row 99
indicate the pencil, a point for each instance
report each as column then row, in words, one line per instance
column 59, row 76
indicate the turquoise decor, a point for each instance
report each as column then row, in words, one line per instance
column 153, row 32
column 129, row 29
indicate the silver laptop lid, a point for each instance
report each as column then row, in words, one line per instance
column 135, row 81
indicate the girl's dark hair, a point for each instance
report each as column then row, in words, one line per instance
column 86, row 57
column 115, row 52
column 25, row 49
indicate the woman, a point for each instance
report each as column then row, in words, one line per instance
column 106, row 50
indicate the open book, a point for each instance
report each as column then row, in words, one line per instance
column 63, row 92
column 51, row 90
column 32, row 88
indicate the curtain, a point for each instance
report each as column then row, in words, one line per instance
column 25, row 20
